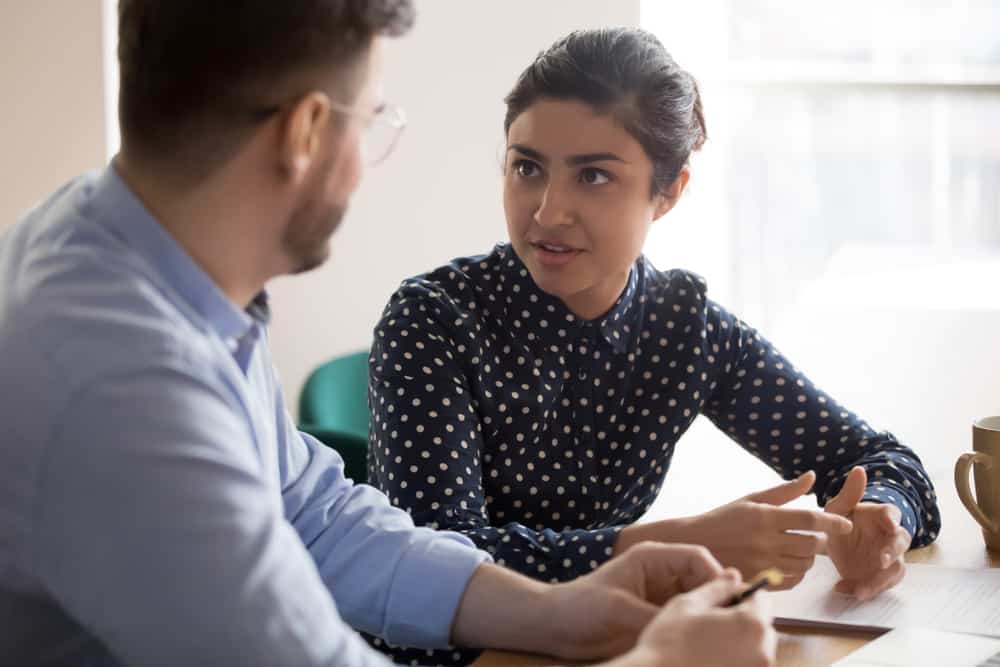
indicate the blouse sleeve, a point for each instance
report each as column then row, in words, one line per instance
column 425, row 441
column 772, row 410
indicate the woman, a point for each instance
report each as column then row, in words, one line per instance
column 531, row 398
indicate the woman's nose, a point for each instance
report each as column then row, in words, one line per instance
column 554, row 209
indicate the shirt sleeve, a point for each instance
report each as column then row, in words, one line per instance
column 771, row 409
column 426, row 443
column 157, row 531
column 387, row 577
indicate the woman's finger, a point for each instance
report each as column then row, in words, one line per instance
column 881, row 581
column 788, row 581
column 799, row 545
column 812, row 520
column 899, row 546
column 791, row 566
column 891, row 516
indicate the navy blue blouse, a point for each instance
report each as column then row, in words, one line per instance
column 499, row 414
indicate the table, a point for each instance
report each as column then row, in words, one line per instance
column 959, row 545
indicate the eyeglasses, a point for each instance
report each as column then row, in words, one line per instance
column 383, row 127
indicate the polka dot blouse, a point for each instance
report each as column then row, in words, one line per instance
column 499, row 414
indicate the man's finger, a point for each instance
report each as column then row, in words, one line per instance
column 715, row 593
column 814, row 520
column 786, row 492
column 630, row 615
column 665, row 566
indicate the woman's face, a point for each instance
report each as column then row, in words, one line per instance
column 577, row 201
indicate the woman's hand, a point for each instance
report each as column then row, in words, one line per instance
column 870, row 557
column 752, row 533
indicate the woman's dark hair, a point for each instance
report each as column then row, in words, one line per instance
column 628, row 73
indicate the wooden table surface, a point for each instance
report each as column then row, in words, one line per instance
column 959, row 545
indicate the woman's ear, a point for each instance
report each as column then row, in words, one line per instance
column 671, row 194
column 301, row 134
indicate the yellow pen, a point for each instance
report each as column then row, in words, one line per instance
column 769, row 578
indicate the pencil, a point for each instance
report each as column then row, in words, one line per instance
column 769, row 578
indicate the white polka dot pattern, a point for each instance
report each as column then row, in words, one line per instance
column 497, row 413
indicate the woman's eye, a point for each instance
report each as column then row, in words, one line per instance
column 594, row 176
column 525, row 168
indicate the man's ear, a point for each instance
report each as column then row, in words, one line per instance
column 670, row 195
column 301, row 134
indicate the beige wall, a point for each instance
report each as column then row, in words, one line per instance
column 52, row 115
column 438, row 196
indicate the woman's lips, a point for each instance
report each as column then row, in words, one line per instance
column 554, row 254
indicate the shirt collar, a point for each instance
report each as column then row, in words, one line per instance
column 548, row 320
column 116, row 207
column 617, row 324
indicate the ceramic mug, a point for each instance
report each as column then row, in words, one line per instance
column 985, row 505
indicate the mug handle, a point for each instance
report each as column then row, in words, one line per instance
column 962, row 466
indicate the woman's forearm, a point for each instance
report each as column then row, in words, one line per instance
column 673, row 531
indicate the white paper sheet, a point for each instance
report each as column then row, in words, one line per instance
column 930, row 596
column 925, row 648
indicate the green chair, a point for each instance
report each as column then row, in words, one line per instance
column 333, row 408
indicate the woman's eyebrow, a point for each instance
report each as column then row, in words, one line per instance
column 528, row 153
column 572, row 160
column 593, row 157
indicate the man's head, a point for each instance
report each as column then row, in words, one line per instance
column 286, row 88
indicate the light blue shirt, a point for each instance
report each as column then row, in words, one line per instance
column 157, row 504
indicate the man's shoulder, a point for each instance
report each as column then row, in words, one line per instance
column 78, row 316
column 76, row 302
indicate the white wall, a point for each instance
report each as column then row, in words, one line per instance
column 438, row 196
column 52, row 115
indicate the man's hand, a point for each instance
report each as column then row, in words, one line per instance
column 602, row 613
column 870, row 557
column 598, row 615
column 672, row 596
column 697, row 629
column 752, row 533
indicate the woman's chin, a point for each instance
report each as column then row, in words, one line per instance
column 552, row 285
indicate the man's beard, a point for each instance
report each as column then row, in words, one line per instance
column 306, row 239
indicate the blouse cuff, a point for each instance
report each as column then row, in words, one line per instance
column 880, row 493
column 599, row 545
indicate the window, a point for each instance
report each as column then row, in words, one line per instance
column 847, row 202
column 109, row 44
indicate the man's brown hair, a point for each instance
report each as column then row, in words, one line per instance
column 194, row 71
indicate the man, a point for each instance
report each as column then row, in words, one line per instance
column 157, row 505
